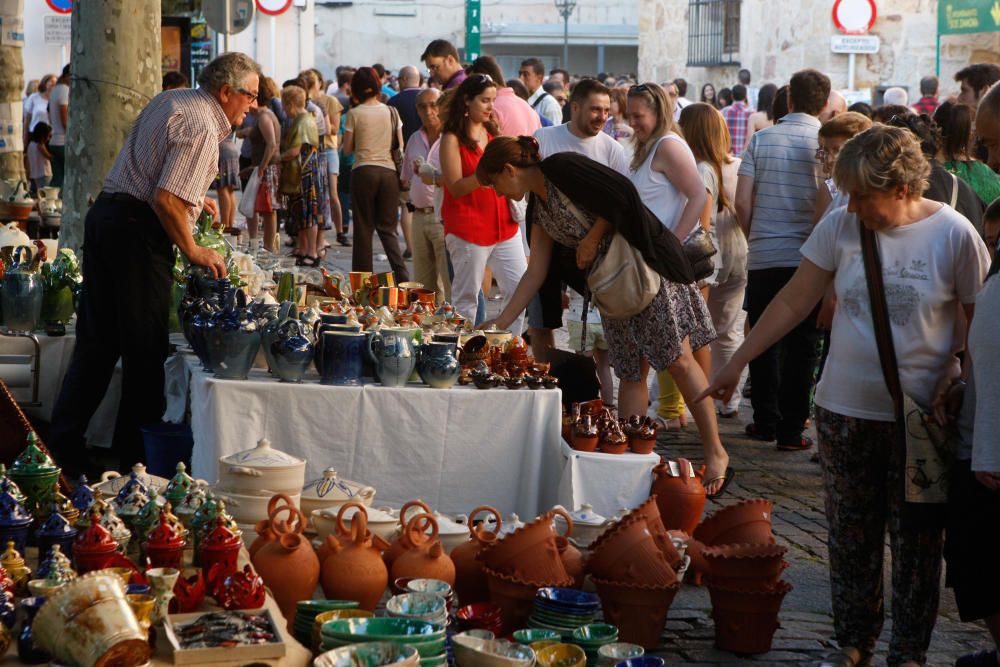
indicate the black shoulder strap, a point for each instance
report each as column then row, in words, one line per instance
column 534, row 105
column 880, row 315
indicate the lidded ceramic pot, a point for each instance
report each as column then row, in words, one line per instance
column 16, row 568
column 112, row 483
column 587, row 524
column 165, row 545
column 109, row 518
column 34, row 472
column 83, row 496
column 56, row 566
column 14, row 518
column 220, row 546
column 56, row 531
column 330, row 492
column 195, row 498
column 262, row 468
column 452, row 531
column 179, row 486
column 94, row 548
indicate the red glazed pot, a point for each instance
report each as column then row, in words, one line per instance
column 165, row 544
column 189, row 592
column 263, row 527
column 354, row 569
column 240, row 590
column 94, row 548
column 640, row 612
column 221, row 545
column 428, row 559
column 745, row 621
column 288, row 565
column 470, row 580
column 746, row 522
column 756, row 567
column 681, row 499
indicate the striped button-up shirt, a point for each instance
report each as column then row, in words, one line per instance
column 174, row 146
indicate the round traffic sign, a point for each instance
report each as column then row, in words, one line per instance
column 854, row 17
column 61, row 6
column 273, row 7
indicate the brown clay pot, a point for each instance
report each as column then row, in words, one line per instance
column 583, row 443
column 516, row 597
column 354, row 570
column 263, row 527
column 651, row 512
column 529, row 553
column 613, row 447
column 681, row 499
column 470, row 580
column 746, row 522
column 428, row 559
column 641, row 445
column 640, row 612
column 288, row 565
column 745, row 621
column 699, row 565
column 627, row 553
column 572, row 560
column 756, row 567
column 402, row 542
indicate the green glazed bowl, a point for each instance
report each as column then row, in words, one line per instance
column 382, row 629
column 595, row 634
column 313, row 607
column 424, row 649
column 528, row 635
column 435, row 661
column 372, row 654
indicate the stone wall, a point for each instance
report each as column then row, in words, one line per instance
column 777, row 38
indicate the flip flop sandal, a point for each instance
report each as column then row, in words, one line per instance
column 726, row 479
column 844, row 658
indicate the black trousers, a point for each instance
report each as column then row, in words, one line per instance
column 783, row 375
column 123, row 314
column 375, row 202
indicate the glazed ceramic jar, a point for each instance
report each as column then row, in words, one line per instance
column 165, row 545
column 262, row 468
column 179, row 486
column 437, row 365
column 21, row 292
column 291, row 352
column 587, row 524
column 94, row 548
column 220, row 546
column 56, row 531
column 330, row 492
column 16, row 568
column 14, row 518
column 34, row 472
column 393, row 355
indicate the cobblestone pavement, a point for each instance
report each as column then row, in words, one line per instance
column 792, row 482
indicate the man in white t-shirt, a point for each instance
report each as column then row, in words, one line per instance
column 591, row 107
column 58, row 117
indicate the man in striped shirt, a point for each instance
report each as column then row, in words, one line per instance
column 775, row 200
column 148, row 203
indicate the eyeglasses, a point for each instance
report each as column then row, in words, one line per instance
column 250, row 95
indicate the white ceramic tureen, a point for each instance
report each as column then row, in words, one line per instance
column 331, row 491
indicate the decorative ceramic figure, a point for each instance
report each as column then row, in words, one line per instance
column 179, row 486
column 240, row 590
column 189, row 591
column 83, row 496
column 56, row 531
column 14, row 518
column 14, row 564
column 34, row 472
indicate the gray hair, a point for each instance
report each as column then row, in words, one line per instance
column 230, row 68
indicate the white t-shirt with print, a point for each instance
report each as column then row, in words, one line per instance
column 929, row 267
column 600, row 148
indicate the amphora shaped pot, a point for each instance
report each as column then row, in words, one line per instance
column 427, row 560
column 353, row 568
column 470, row 579
column 680, row 495
column 288, row 565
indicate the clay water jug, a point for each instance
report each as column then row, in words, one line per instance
column 263, row 527
column 680, row 495
column 427, row 560
column 353, row 568
column 402, row 543
column 572, row 560
column 288, row 565
column 470, row 580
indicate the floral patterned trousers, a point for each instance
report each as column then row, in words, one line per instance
column 863, row 466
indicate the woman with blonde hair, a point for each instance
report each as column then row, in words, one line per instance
column 665, row 173
column 707, row 135
column 933, row 265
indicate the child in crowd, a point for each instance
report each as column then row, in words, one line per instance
column 39, row 157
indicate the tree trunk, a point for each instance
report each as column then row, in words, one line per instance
column 115, row 71
column 11, row 89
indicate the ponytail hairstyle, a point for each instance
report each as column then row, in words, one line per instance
column 708, row 136
column 456, row 121
column 654, row 97
column 521, row 152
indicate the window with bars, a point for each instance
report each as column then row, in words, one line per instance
column 713, row 32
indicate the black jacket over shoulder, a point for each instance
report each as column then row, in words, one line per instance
column 606, row 193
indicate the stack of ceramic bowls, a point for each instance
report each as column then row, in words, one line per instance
column 592, row 637
column 421, row 606
column 563, row 609
column 333, row 615
column 370, row 653
column 537, row 638
column 428, row 638
column 442, row 589
column 482, row 616
column 305, row 616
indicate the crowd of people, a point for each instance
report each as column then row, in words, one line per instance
column 746, row 225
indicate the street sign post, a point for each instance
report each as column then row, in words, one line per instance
column 473, row 36
column 228, row 17
column 957, row 17
column 855, row 43
column 853, row 18
column 273, row 8
column 60, row 6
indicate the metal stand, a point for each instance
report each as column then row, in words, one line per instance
column 36, row 363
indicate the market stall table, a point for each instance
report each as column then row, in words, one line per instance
column 607, row 482
column 453, row 448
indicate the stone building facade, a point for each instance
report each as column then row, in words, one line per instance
column 774, row 38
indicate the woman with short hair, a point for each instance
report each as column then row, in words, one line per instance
column 933, row 264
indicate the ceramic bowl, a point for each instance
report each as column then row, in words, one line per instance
column 379, row 523
column 562, row 655
column 595, row 634
column 642, row 661
column 529, row 636
column 435, row 586
column 370, row 654
column 424, row 606
column 377, row 629
column 569, row 600
column 475, row 652
column 424, row 649
column 249, row 508
column 610, row 655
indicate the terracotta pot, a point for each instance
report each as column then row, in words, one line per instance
column 681, row 499
column 354, row 570
column 640, row 612
column 651, row 512
column 288, row 565
column 745, row 621
column 516, row 597
column 746, row 522
column 613, row 447
column 428, row 559
column 402, row 542
column 627, row 553
column 641, row 445
column 745, row 566
column 572, row 560
column 699, row 565
column 583, row 443
column 529, row 553
column 263, row 527
column 470, row 580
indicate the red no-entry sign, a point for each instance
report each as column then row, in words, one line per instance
column 854, row 17
column 273, row 7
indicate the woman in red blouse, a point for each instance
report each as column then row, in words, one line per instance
column 479, row 230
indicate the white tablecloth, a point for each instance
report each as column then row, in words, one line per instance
column 608, row 482
column 453, row 448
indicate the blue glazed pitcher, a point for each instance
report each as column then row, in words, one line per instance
column 342, row 355
column 437, row 364
column 394, row 357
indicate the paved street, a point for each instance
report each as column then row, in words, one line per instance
column 792, row 482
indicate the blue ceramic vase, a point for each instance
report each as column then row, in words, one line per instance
column 437, row 365
column 232, row 339
column 394, row 357
column 291, row 352
column 342, row 354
